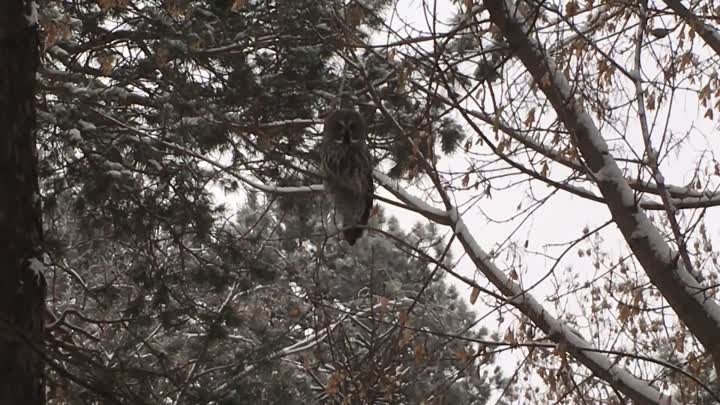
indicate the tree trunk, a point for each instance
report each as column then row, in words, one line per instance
column 22, row 285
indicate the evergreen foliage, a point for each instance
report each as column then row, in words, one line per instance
column 164, row 287
column 207, row 322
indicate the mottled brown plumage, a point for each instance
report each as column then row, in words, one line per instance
column 348, row 170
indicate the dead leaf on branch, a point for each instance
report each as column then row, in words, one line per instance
column 107, row 64
column 709, row 114
column 420, row 353
column 355, row 14
column 238, row 5
column 510, row 337
column 571, row 8
column 403, row 317
column 109, row 4
column 56, row 32
column 545, row 169
column 406, row 337
column 464, row 356
column 680, row 343
column 530, row 117
column 474, row 295
column 650, row 101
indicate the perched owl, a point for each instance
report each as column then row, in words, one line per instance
column 348, row 170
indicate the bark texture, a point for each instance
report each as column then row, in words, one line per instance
column 22, row 286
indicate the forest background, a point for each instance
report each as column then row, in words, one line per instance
column 559, row 159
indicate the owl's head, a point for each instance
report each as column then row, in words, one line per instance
column 345, row 127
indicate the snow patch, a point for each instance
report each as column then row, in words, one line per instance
column 606, row 173
column 75, row 135
column 87, row 126
column 32, row 18
column 644, row 229
column 397, row 189
column 38, row 269
column 155, row 164
column 118, row 92
column 192, row 121
column 114, row 165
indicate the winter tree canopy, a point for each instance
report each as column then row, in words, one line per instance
column 546, row 190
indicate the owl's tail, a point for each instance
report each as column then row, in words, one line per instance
column 351, row 235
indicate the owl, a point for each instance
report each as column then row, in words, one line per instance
column 348, row 168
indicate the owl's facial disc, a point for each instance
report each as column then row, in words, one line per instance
column 346, row 132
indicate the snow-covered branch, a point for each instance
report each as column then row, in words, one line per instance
column 681, row 197
column 709, row 34
column 685, row 295
column 316, row 337
column 560, row 333
column 226, row 169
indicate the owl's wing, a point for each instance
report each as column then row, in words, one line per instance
column 353, row 234
column 369, row 190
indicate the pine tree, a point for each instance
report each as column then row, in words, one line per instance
column 161, row 291
column 218, row 324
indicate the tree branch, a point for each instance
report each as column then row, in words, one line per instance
column 684, row 294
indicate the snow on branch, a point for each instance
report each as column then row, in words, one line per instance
column 683, row 197
column 228, row 170
column 559, row 332
column 415, row 204
column 708, row 33
column 315, row 337
column 32, row 17
column 685, row 295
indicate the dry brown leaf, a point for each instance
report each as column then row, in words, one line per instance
column 356, row 14
column 333, row 383
column 510, row 336
column 403, row 317
column 108, row 4
column 545, row 169
column 106, row 64
column 238, row 5
column 650, row 102
column 463, row 356
column 420, row 353
column 530, row 117
column 295, row 312
column 406, row 337
column 474, row 295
